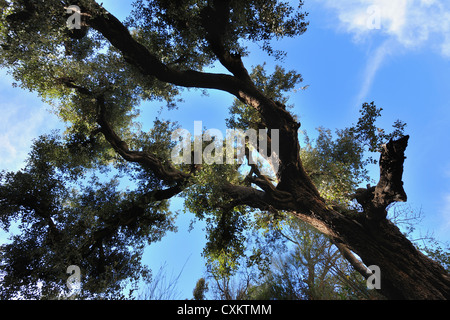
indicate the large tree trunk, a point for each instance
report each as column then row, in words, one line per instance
column 406, row 273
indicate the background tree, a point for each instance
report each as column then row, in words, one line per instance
column 200, row 289
column 96, row 79
column 311, row 269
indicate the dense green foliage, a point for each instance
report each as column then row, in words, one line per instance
column 65, row 220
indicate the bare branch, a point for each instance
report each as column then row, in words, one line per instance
column 355, row 262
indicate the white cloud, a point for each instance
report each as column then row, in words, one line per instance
column 402, row 25
column 375, row 62
column 411, row 23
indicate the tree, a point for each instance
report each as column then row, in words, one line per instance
column 307, row 265
column 96, row 77
column 200, row 289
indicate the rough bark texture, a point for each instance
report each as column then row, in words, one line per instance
column 405, row 272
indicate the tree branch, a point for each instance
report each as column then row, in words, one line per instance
column 389, row 189
column 138, row 55
column 215, row 20
column 164, row 171
column 350, row 257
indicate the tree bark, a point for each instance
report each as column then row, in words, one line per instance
column 406, row 273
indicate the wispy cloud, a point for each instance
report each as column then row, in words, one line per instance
column 400, row 24
column 411, row 23
column 375, row 62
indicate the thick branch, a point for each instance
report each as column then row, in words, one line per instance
column 215, row 21
column 351, row 258
column 246, row 195
column 164, row 171
column 389, row 189
column 138, row 55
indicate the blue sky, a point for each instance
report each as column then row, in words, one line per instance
column 396, row 53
